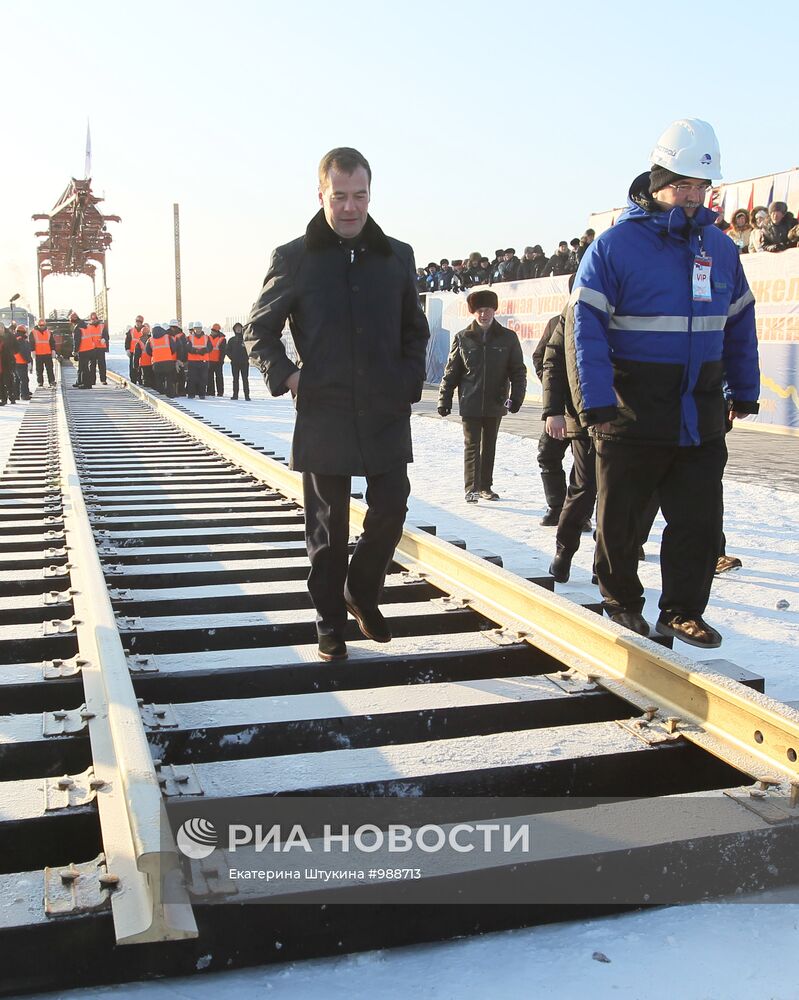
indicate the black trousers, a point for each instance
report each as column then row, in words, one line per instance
column 243, row 372
column 147, row 376
column 134, row 371
column 688, row 484
column 165, row 374
column 550, row 462
column 479, row 449
column 87, row 368
column 44, row 362
column 651, row 512
column 101, row 364
column 196, row 378
column 327, row 502
column 216, row 379
column 21, row 386
column 580, row 496
column 7, row 387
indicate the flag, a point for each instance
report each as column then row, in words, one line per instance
column 88, row 167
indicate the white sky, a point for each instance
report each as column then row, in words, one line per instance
column 486, row 125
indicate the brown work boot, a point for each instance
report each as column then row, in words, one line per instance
column 692, row 629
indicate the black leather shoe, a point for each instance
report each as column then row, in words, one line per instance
column 560, row 570
column 632, row 620
column 371, row 623
column 551, row 518
column 489, row 495
column 332, row 647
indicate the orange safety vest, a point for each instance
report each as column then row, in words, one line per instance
column 195, row 343
column 215, row 342
column 162, row 349
column 95, row 332
column 144, row 358
column 86, row 339
column 18, row 357
column 135, row 337
column 42, row 342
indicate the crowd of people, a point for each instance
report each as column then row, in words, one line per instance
column 462, row 274
column 162, row 358
column 771, row 229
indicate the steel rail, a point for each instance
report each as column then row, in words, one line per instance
column 140, row 852
column 681, row 698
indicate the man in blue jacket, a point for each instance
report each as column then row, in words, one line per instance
column 660, row 318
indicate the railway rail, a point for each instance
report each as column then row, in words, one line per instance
column 158, row 661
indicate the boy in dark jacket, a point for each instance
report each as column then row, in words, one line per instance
column 486, row 365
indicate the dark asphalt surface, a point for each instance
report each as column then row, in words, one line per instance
column 754, row 456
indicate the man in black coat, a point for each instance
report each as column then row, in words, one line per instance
column 349, row 294
column 486, row 366
column 558, row 263
column 239, row 362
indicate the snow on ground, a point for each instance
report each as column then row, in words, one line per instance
column 710, row 952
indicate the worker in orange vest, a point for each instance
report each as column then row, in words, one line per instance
column 42, row 344
column 199, row 347
column 142, row 360
column 99, row 331
column 215, row 361
column 22, row 358
column 132, row 338
column 161, row 348
column 83, row 350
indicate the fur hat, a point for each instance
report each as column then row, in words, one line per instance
column 780, row 206
column 481, row 300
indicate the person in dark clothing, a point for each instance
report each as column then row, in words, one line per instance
column 532, row 263
column 22, row 358
column 550, row 449
column 563, row 424
column 132, row 338
column 349, row 293
column 216, row 358
column 775, row 231
column 574, row 255
column 660, row 327
column 432, row 276
column 444, row 276
column 198, row 347
column 99, row 330
column 585, row 242
column 7, row 388
column 421, row 280
column 486, row 366
column 84, row 352
column 162, row 349
column 42, row 345
column 239, row 362
column 509, row 268
column 143, row 361
column 558, row 263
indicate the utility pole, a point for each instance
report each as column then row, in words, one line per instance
column 178, row 296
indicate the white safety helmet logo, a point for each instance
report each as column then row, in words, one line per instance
column 689, row 147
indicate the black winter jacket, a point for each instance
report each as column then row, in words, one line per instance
column 557, row 264
column 775, row 234
column 531, row 268
column 541, row 346
column 557, row 398
column 237, row 351
column 486, row 372
column 361, row 335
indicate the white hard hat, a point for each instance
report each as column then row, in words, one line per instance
column 689, row 147
column 174, row 322
column 195, row 325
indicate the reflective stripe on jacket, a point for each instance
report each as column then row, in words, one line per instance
column 41, row 341
column 94, row 332
column 216, row 342
column 643, row 354
column 198, row 348
column 162, row 349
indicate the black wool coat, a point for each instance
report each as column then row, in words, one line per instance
column 486, row 372
column 361, row 339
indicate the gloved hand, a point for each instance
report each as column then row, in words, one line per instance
column 444, row 411
column 513, row 406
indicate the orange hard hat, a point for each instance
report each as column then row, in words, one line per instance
column 216, row 327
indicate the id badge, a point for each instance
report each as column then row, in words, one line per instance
column 701, row 281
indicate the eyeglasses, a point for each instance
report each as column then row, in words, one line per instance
column 683, row 188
